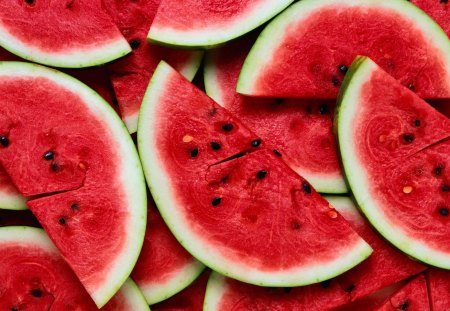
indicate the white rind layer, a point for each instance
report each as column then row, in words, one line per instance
column 161, row 187
column 12, row 201
column 215, row 35
column 356, row 173
column 130, row 172
column 215, row 290
column 135, row 300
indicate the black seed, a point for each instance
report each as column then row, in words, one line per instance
column 256, row 143
column 215, row 145
column 343, row 69
column 443, row 211
column 445, row 188
column 335, row 81
column 438, row 170
column 55, row 167
column 417, row 123
column 30, row 2
column 411, row 87
column 135, row 43
column 323, row 109
column 404, row 305
column 36, row 293
column 62, row 221
column 287, row 290
column 350, row 288
column 227, row 127
column 4, row 141
column 261, row 174
column 194, row 152
column 49, row 155
column 409, row 138
column 216, row 201
column 277, row 153
column 306, row 187
column 325, row 284
column 279, row 101
column 74, row 206
column 295, row 225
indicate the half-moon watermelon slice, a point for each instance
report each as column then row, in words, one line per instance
column 60, row 33
column 36, row 277
column 205, row 23
column 82, row 165
column 306, row 50
column 439, row 10
column 250, row 217
column 438, row 288
column 396, row 160
column 301, row 130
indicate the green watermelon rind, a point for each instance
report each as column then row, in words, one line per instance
column 13, row 201
column 131, row 174
column 265, row 46
column 101, row 54
column 134, row 296
column 216, row 36
column 359, row 183
column 216, row 289
column 323, row 183
column 159, row 184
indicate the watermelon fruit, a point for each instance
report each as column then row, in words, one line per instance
column 306, row 50
column 164, row 267
column 438, row 289
column 10, row 198
column 130, row 75
column 36, row 277
column 239, row 215
column 82, row 167
column 301, row 130
column 193, row 23
column 395, row 157
column 60, row 33
column 439, row 10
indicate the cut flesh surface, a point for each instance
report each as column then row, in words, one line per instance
column 60, row 33
column 204, row 23
column 301, row 130
column 36, row 277
column 81, row 162
column 396, row 160
column 439, row 289
column 249, row 217
column 306, row 50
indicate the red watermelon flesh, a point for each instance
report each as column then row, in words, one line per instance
column 301, row 130
column 18, row 218
column 190, row 299
column 439, row 10
column 306, row 50
column 412, row 297
column 131, row 74
column 439, row 289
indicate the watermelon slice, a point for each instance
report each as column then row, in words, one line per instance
column 301, row 130
column 439, row 289
column 205, row 23
column 439, row 10
column 306, row 51
column 131, row 74
column 36, row 277
column 60, row 33
column 164, row 267
column 81, row 163
column 396, row 167
column 240, row 217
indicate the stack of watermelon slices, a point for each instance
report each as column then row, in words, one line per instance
column 234, row 179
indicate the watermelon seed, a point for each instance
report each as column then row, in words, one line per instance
column 215, row 145
column 438, row 170
column 335, row 81
column 295, row 225
column 343, row 69
column 30, row 2
column 411, row 87
column 227, row 127
column 261, row 174
column 408, row 138
column 350, row 288
column 62, row 221
column 49, row 155
column 74, row 206
column 135, row 43
column 407, row 189
column 36, row 293
column 4, row 141
column 194, row 152
column 445, row 188
column 325, row 284
column 55, row 167
column 417, row 123
column 306, row 187
column 404, row 305
column 443, row 211
column 277, row 153
column 256, row 143
column 323, row 109
column 216, row 201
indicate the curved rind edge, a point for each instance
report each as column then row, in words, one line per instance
column 12, row 202
column 215, row 290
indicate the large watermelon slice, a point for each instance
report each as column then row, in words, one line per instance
column 439, row 10
column 164, row 267
column 250, row 217
column 306, row 51
column 131, row 74
column 35, row 277
column 395, row 165
column 81, row 162
column 60, row 33
column 439, row 289
column 206, row 23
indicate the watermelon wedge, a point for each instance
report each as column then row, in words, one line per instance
column 395, row 159
column 439, row 10
column 239, row 216
column 82, row 165
column 10, row 198
column 60, row 33
column 164, row 267
column 301, row 130
column 193, row 23
column 306, row 50
column 131, row 74
column 36, row 277
column 438, row 289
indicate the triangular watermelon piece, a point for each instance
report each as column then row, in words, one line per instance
column 439, row 289
column 81, row 162
column 439, row 10
column 306, row 50
column 395, row 159
column 60, row 33
column 240, row 216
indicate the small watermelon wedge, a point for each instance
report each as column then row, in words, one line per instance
column 306, row 50
column 240, row 214
column 395, row 154
column 60, row 33
column 439, row 288
column 438, row 10
column 204, row 23
column 82, row 168
column 36, row 277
